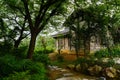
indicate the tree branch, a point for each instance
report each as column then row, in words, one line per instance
column 50, row 15
column 23, row 28
column 28, row 14
column 43, row 11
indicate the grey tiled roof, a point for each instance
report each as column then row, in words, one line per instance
column 61, row 33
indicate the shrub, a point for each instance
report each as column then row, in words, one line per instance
column 101, row 53
column 10, row 68
column 7, row 63
column 18, row 76
column 5, row 48
column 80, row 61
column 110, row 63
column 114, row 52
column 43, row 58
column 42, row 51
column 20, row 52
column 60, row 58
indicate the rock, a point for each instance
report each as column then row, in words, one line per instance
column 95, row 70
column 67, row 74
column 68, row 78
column 118, row 71
column 64, row 70
column 117, row 60
column 54, row 67
column 90, row 69
column 84, row 79
column 71, row 66
column 101, row 78
column 111, row 72
column 78, row 67
column 105, row 59
column 98, row 68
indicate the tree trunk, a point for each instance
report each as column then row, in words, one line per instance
column 31, row 46
column 86, row 46
column 17, row 43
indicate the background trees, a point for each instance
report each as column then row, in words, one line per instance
column 37, row 13
column 44, row 11
column 14, row 22
column 89, row 18
column 93, row 18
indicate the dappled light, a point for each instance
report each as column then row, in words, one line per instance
column 60, row 40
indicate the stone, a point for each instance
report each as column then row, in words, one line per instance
column 90, row 69
column 111, row 72
column 105, row 60
column 58, row 68
column 84, row 79
column 78, row 67
column 71, row 66
column 98, row 68
column 95, row 70
column 64, row 70
column 117, row 60
column 67, row 74
column 67, row 78
column 101, row 78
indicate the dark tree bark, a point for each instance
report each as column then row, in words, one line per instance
column 17, row 43
column 31, row 46
column 40, row 20
column 21, row 37
column 86, row 45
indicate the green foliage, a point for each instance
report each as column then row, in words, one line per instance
column 115, row 52
column 20, row 52
column 5, row 48
column 42, row 51
column 110, row 63
column 82, row 60
column 18, row 76
column 10, row 68
column 101, row 53
column 41, row 58
column 7, row 63
column 60, row 58
column 45, row 45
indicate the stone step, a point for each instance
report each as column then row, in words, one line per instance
column 73, row 78
column 67, row 78
column 68, row 74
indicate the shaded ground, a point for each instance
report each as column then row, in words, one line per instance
column 67, row 57
column 60, row 72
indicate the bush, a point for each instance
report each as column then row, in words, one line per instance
column 110, row 63
column 20, row 52
column 7, row 63
column 60, row 58
column 18, row 76
column 101, row 53
column 42, row 51
column 10, row 68
column 43, row 58
column 114, row 52
column 5, row 48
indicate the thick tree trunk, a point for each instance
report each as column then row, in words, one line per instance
column 31, row 46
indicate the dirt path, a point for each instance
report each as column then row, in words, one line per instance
column 62, row 73
column 67, row 57
column 56, row 73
